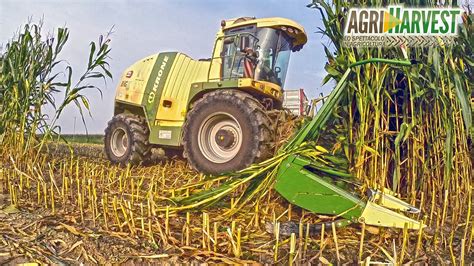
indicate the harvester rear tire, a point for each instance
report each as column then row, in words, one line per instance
column 245, row 114
column 133, row 132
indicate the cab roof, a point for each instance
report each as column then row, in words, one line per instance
column 290, row 27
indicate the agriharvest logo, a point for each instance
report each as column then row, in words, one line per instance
column 396, row 25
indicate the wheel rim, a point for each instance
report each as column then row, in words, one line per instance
column 220, row 137
column 119, row 142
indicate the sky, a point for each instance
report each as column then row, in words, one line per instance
column 142, row 28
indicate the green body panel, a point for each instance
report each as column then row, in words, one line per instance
column 315, row 193
column 152, row 97
column 173, row 132
column 200, row 87
column 155, row 85
column 225, row 84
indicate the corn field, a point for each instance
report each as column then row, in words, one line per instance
column 32, row 77
column 408, row 131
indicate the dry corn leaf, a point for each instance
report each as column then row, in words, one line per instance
column 11, row 209
column 73, row 230
column 72, row 247
column 155, row 256
column 324, row 261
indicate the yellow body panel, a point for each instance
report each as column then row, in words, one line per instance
column 374, row 214
column 131, row 89
column 267, row 88
column 275, row 22
column 388, row 199
column 184, row 72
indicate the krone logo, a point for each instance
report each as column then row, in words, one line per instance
column 151, row 96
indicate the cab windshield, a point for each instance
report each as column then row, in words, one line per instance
column 273, row 51
column 258, row 53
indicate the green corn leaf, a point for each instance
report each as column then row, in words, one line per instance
column 464, row 101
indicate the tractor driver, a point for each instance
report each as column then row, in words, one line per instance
column 251, row 61
column 265, row 68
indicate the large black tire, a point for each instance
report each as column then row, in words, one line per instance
column 255, row 135
column 136, row 149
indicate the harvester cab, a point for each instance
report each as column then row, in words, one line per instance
column 213, row 111
column 257, row 51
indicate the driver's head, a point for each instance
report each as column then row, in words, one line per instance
column 250, row 53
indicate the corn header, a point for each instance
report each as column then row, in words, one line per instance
column 319, row 190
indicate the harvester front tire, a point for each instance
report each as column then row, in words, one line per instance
column 237, row 127
column 126, row 140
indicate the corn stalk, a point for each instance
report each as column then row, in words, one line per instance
column 407, row 131
column 29, row 81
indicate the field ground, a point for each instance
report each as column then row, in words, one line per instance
column 91, row 212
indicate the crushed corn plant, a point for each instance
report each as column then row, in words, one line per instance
column 405, row 127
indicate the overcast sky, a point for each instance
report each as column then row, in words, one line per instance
column 142, row 28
